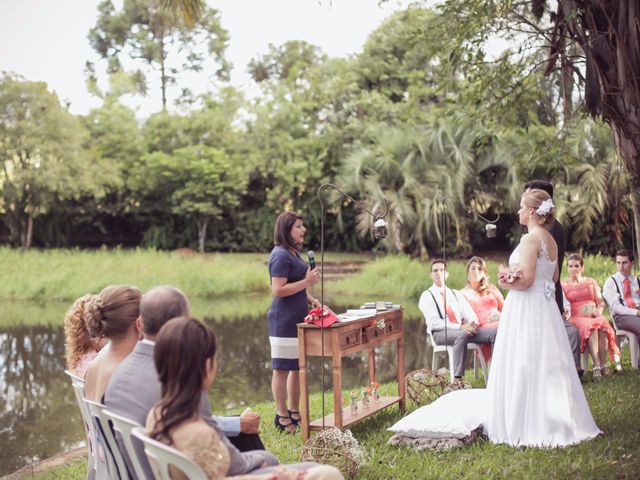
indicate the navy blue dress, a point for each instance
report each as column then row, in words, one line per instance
column 286, row 312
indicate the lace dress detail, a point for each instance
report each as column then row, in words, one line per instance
column 208, row 451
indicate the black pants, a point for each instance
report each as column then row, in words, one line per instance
column 245, row 443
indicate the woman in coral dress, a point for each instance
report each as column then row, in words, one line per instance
column 485, row 299
column 587, row 305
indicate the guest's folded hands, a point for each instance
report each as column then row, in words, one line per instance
column 249, row 422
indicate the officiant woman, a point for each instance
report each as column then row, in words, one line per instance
column 290, row 278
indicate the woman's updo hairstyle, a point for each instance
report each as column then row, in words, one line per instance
column 536, row 198
column 111, row 313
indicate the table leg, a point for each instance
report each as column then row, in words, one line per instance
column 304, row 386
column 337, row 379
column 372, row 366
column 400, row 350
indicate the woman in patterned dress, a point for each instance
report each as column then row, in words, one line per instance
column 290, row 277
column 587, row 306
column 485, row 299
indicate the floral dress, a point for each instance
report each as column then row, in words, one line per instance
column 487, row 307
column 585, row 299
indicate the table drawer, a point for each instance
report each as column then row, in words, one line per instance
column 349, row 339
column 391, row 325
column 374, row 333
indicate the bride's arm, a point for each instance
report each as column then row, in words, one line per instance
column 529, row 246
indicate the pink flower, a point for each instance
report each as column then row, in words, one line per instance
column 509, row 274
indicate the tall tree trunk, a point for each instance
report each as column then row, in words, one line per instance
column 635, row 208
column 28, row 234
column 163, row 72
column 202, row 233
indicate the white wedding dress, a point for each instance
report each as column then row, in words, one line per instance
column 533, row 396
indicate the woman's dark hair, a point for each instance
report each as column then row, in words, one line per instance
column 540, row 185
column 282, row 230
column 182, row 349
column 484, row 281
column 576, row 256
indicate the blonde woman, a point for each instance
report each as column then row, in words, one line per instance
column 80, row 347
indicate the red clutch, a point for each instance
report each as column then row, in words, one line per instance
column 321, row 317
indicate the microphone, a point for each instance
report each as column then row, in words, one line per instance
column 312, row 259
column 491, row 230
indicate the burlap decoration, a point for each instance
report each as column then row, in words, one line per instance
column 335, row 447
column 424, row 386
column 433, row 444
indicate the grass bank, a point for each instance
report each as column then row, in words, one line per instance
column 614, row 403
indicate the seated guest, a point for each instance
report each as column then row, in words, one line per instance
column 135, row 388
column 485, row 299
column 186, row 362
column 587, row 305
column 112, row 315
column 622, row 293
column 455, row 312
column 80, row 347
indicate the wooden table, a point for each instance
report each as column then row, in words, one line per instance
column 342, row 339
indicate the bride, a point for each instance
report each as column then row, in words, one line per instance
column 533, row 396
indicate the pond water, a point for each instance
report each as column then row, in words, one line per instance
column 38, row 414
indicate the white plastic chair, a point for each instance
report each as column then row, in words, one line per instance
column 77, row 383
column 124, row 427
column 160, row 456
column 115, row 463
column 448, row 349
column 633, row 345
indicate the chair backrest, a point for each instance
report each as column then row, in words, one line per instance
column 74, row 378
column 161, row 456
column 124, row 426
column 115, row 462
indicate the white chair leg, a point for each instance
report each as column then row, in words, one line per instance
column 434, row 362
column 485, row 369
column 584, row 360
column 475, row 366
column 633, row 350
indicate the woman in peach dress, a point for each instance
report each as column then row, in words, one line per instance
column 587, row 306
column 485, row 299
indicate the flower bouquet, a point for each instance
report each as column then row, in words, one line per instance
column 365, row 396
column 508, row 275
column 588, row 310
column 379, row 323
column 375, row 391
column 353, row 396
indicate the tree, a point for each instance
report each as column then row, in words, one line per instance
column 42, row 156
column 592, row 48
column 147, row 32
column 202, row 183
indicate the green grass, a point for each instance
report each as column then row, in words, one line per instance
column 64, row 275
column 613, row 400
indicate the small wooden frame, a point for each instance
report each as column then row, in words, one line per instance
column 340, row 340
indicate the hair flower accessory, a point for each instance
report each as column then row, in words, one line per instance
column 545, row 207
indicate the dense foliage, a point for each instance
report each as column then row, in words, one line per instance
column 425, row 118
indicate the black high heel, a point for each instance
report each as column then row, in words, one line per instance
column 283, row 427
column 296, row 421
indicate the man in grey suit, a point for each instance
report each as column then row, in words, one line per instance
column 134, row 387
column 557, row 232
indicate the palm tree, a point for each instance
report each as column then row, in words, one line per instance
column 423, row 172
